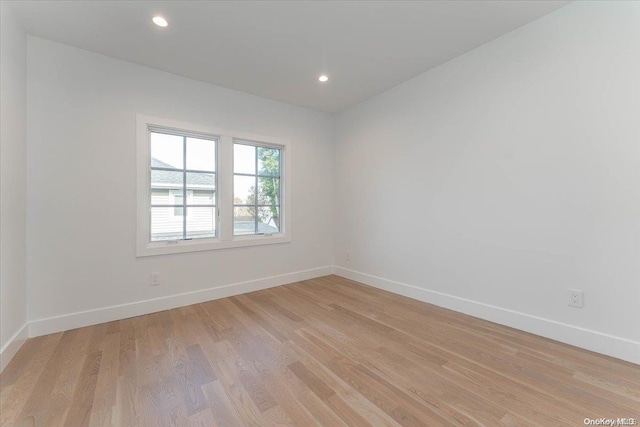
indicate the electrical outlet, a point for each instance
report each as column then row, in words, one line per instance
column 576, row 298
column 155, row 279
column 348, row 256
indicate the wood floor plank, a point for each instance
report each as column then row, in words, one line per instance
column 277, row 417
column 220, row 406
column 311, row 380
column 106, row 385
column 14, row 370
column 82, row 403
column 316, row 359
column 31, row 413
column 289, row 399
column 321, row 352
column 184, row 386
column 58, row 381
column 67, row 379
column 24, row 385
column 223, row 358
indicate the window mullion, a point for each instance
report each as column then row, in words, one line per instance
column 225, row 187
column 255, row 198
column 184, row 188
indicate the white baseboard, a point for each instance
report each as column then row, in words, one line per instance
column 599, row 342
column 107, row 314
column 12, row 346
column 611, row 345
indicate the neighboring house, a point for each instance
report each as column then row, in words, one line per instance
column 166, row 189
column 167, row 222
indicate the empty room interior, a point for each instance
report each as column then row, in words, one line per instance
column 320, row 213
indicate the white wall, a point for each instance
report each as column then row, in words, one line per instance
column 506, row 176
column 13, row 288
column 81, row 247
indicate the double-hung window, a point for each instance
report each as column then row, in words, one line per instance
column 256, row 188
column 182, row 185
column 201, row 188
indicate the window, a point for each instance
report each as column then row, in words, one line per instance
column 256, row 189
column 201, row 188
column 179, row 164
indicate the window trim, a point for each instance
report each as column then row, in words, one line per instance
column 224, row 189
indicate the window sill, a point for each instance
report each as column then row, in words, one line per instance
column 183, row 246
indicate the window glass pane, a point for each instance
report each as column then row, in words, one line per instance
column 163, row 183
column 244, row 221
column 161, row 197
column 166, row 151
column 201, row 223
column 269, row 220
column 165, row 225
column 268, row 161
column 268, row 191
column 244, row 190
column 201, row 188
column 201, row 154
column 244, row 159
column 201, row 197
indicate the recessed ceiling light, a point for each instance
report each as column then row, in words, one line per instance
column 160, row 21
column 323, row 78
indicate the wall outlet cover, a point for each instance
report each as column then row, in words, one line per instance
column 576, row 298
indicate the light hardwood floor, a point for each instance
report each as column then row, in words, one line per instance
column 327, row 351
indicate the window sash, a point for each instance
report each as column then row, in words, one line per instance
column 184, row 170
column 257, row 177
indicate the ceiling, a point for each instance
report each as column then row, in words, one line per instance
column 277, row 49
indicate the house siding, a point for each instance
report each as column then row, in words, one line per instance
column 166, row 225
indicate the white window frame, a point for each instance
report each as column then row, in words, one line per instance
column 224, row 191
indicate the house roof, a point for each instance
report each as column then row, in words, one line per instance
column 248, row 227
column 171, row 178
